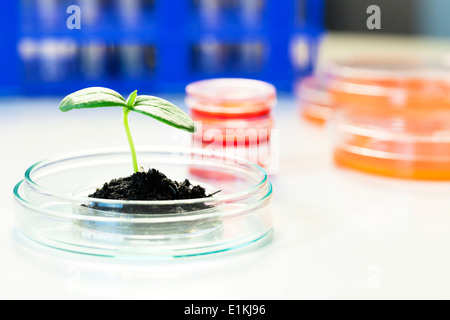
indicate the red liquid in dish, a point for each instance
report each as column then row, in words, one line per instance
column 233, row 115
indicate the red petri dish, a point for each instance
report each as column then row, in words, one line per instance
column 234, row 115
column 231, row 98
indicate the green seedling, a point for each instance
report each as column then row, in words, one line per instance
column 153, row 107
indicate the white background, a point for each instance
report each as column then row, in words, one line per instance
column 338, row 234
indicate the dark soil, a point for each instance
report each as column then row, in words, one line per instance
column 151, row 186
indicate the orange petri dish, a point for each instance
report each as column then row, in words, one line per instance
column 392, row 118
column 314, row 101
column 234, row 116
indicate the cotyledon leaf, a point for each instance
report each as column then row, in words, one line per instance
column 164, row 111
column 96, row 97
column 151, row 106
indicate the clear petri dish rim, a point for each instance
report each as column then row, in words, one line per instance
column 254, row 168
column 215, row 89
column 231, row 96
column 391, row 66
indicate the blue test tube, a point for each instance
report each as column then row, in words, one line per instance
column 49, row 14
column 302, row 54
column 211, row 57
column 251, row 56
column 251, row 12
column 29, row 54
column 56, row 60
column 132, row 61
column 93, row 62
column 210, row 12
column 130, row 13
column 91, row 12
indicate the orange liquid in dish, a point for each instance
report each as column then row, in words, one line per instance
column 404, row 134
column 421, row 169
column 313, row 115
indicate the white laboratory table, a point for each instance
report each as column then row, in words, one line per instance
column 338, row 234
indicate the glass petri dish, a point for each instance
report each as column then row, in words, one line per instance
column 234, row 117
column 314, row 100
column 392, row 117
column 231, row 97
column 52, row 206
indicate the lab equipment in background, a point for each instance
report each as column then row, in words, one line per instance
column 135, row 14
column 162, row 45
column 47, row 12
column 392, row 116
column 234, row 117
column 211, row 56
column 48, row 60
column 137, row 62
column 93, row 60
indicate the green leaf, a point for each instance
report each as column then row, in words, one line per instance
column 154, row 107
column 96, row 97
column 164, row 111
column 132, row 99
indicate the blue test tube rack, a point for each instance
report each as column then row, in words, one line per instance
column 156, row 45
